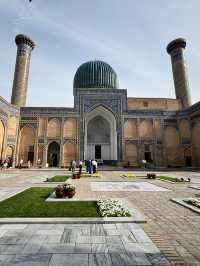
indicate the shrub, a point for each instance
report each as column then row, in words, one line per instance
column 151, row 176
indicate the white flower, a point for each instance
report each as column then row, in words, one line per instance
column 113, row 208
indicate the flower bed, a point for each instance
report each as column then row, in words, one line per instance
column 193, row 202
column 112, row 208
column 128, row 175
column 175, row 179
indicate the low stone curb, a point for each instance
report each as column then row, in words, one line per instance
column 195, row 187
column 181, row 202
column 73, row 220
column 173, row 182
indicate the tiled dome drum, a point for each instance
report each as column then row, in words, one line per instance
column 95, row 74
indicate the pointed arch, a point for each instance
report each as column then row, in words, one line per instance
column 109, row 151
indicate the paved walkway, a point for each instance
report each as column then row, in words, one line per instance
column 174, row 229
column 82, row 244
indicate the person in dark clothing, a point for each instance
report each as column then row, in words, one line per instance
column 90, row 166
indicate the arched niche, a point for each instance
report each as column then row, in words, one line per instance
column 53, row 129
column 131, row 154
column 9, row 154
column 196, row 144
column 171, row 142
column 2, row 133
column 98, row 131
column 130, row 129
column 158, row 129
column 107, row 151
column 69, row 128
column 26, row 145
column 146, row 130
column 69, row 153
column 196, row 134
column 171, row 137
column 184, row 127
column 53, row 154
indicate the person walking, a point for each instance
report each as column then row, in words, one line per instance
column 20, row 163
column 90, row 166
column 94, row 166
column 73, row 166
column 80, row 167
column 87, row 166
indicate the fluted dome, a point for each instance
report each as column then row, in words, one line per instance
column 95, row 74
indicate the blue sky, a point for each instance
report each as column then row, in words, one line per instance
column 130, row 35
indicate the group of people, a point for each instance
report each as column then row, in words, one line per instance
column 91, row 166
column 73, row 166
column 6, row 163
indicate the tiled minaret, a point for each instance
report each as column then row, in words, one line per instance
column 24, row 48
column 176, row 51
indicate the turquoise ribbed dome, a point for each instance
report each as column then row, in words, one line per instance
column 95, row 74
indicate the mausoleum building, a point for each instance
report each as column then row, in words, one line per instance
column 104, row 123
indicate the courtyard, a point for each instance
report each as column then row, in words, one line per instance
column 170, row 235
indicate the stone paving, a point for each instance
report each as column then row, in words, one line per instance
column 174, row 229
column 82, row 244
column 125, row 186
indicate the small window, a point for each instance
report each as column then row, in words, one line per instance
column 146, row 104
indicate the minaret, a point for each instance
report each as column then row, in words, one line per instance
column 24, row 47
column 175, row 49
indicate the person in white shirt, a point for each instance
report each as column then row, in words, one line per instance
column 94, row 166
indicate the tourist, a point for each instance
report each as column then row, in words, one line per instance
column 144, row 162
column 39, row 162
column 94, row 166
column 87, row 165
column 90, row 166
column 80, row 167
column 29, row 164
column 73, row 166
column 20, row 163
column 5, row 164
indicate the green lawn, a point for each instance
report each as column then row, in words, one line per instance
column 31, row 203
column 58, row 178
column 172, row 179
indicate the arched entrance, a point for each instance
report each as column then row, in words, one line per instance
column 53, row 155
column 101, row 135
column 9, row 155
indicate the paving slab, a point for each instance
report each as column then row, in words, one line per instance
column 126, row 186
column 69, row 260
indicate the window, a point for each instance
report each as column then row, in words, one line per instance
column 146, row 104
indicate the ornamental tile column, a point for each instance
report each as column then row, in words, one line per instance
column 24, row 47
column 176, row 51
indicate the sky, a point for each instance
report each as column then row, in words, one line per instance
column 130, row 35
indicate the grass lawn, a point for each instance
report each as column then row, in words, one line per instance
column 31, row 203
column 172, row 179
column 58, row 178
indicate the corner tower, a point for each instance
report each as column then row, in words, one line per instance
column 24, row 47
column 175, row 49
